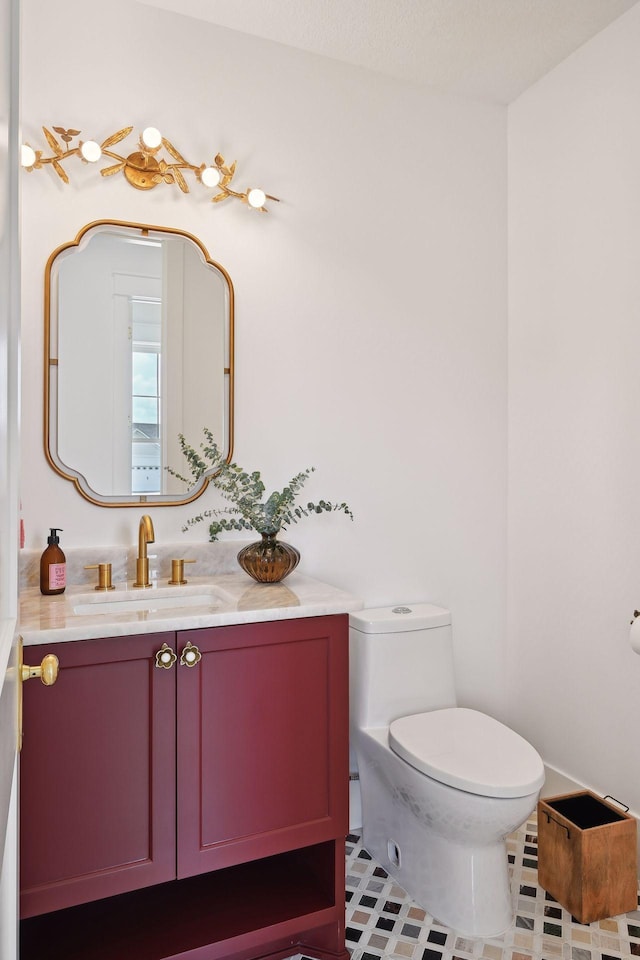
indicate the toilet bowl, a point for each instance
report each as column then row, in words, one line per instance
column 442, row 786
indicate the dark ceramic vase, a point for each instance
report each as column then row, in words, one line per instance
column 268, row 560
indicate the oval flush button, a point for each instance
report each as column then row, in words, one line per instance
column 402, row 610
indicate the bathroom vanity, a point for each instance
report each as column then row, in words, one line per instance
column 184, row 783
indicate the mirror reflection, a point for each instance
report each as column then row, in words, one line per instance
column 139, row 348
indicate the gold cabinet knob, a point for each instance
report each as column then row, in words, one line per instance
column 190, row 655
column 177, row 572
column 104, row 575
column 47, row 671
column 165, row 657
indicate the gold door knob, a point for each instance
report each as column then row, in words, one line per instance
column 190, row 655
column 165, row 657
column 47, row 671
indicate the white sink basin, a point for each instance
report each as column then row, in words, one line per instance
column 149, row 600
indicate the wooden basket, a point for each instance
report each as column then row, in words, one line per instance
column 587, row 855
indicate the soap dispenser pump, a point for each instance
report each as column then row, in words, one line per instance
column 53, row 566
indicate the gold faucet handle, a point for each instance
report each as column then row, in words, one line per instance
column 177, row 572
column 104, row 575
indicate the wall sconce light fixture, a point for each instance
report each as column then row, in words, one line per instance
column 145, row 168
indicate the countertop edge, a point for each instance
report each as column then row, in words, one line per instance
column 51, row 620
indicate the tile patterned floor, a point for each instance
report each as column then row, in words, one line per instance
column 383, row 921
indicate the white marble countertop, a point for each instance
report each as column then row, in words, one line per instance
column 212, row 601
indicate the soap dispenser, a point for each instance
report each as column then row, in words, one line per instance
column 53, row 566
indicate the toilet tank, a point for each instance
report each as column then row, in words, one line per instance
column 401, row 662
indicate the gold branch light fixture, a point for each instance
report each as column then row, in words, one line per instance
column 145, row 167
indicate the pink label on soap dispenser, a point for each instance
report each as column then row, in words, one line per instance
column 57, row 575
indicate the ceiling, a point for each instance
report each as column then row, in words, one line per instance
column 484, row 49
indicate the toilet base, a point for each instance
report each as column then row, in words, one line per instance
column 446, row 847
column 445, row 895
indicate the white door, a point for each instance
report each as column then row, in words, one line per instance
column 9, row 459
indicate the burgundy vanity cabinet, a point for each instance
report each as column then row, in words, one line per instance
column 97, row 768
column 263, row 755
column 192, row 812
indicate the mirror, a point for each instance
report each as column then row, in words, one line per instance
column 138, row 349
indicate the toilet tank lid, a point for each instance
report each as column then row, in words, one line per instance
column 400, row 618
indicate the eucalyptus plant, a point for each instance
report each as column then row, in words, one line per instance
column 245, row 492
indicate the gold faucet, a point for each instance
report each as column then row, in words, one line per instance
column 145, row 535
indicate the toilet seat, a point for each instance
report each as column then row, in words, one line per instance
column 468, row 750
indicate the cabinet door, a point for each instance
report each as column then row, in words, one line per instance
column 97, row 773
column 262, row 741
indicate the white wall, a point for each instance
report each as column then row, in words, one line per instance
column 371, row 306
column 574, row 412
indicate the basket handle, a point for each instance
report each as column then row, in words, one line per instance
column 564, row 827
column 620, row 804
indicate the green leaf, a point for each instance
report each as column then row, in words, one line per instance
column 244, row 493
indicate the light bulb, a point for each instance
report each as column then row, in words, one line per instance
column 27, row 155
column 210, row 176
column 256, row 197
column 91, row 151
column 151, row 137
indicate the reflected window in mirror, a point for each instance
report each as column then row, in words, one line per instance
column 139, row 349
column 146, row 421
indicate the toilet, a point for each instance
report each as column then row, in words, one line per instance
column 442, row 786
